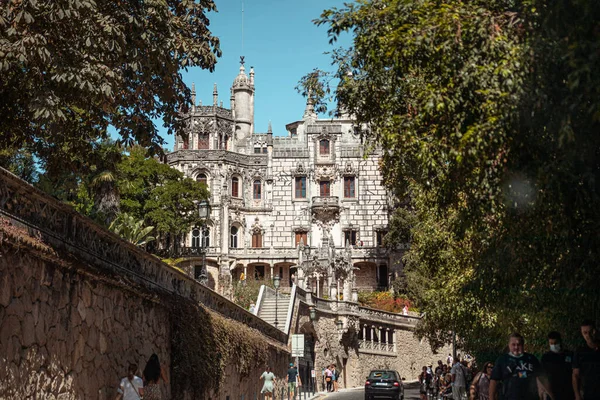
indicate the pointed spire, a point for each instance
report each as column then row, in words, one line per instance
column 270, row 129
column 215, row 95
column 252, row 75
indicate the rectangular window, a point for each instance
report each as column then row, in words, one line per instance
column 325, row 188
column 300, row 187
column 257, row 150
column 349, row 185
column 301, row 236
column 235, row 187
column 257, row 240
column 264, row 150
column 256, row 190
column 324, row 147
column 380, row 237
column 350, row 237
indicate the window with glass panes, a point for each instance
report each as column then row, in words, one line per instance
column 349, row 187
column 257, row 190
column 201, row 178
column 324, row 147
column 300, row 185
column 233, row 240
column 380, row 235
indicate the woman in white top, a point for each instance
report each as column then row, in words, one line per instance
column 131, row 387
column 269, row 379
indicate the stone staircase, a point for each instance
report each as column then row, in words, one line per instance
column 269, row 302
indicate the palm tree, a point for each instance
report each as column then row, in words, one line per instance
column 131, row 230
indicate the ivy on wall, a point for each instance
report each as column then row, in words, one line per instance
column 204, row 343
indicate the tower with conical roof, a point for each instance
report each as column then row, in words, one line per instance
column 243, row 105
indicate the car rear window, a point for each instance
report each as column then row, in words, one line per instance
column 382, row 375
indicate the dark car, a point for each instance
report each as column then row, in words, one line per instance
column 384, row 383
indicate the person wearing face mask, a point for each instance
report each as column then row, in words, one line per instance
column 586, row 365
column 557, row 367
column 520, row 374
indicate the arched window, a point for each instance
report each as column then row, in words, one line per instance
column 196, row 237
column 233, row 240
column 202, row 178
column 206, row 237
column 257, row 190
column 324, row 147
column 235, row 187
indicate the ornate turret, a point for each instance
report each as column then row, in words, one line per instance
column 243, row 95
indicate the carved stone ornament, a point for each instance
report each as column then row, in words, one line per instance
column 257, row 227
column 300, row 170
column 349, row 169
column 236, row 217
column 329, row 172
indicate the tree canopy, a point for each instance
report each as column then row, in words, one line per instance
column 488, row 112
column 72, row 68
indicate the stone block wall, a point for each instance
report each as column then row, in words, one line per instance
column 68, row 335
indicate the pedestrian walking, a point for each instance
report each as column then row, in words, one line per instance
column 586, row 364
column 519, row 373
column 423, row 383
column 459, row 380
column 153, row 374
column 480, row 388
column 293, row 380
column 132, row 386
column 269, row 379
column 557, row 365
column 328, row 378
column 335, row 376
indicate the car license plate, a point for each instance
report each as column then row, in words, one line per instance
column 381, row 384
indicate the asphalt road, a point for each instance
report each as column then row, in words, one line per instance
column 410, row 393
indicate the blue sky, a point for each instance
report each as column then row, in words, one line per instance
column 280, row 42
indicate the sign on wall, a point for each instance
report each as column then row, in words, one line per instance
column 298, row 345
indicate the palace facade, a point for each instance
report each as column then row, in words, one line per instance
column 308, row 206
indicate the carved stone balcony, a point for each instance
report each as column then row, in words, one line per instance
column 326, row 209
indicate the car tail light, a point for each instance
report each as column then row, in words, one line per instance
column 367, row 383
column 396, row 384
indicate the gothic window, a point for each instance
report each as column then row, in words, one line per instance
column 235, row 187
column 301, row 236
column 203, row 142
column 379, row 238
column 350, row 236
column 206, row 237
column 257, row 240
column 324, row 147
column 257, row 190
column 349, row 187
column 185, row 142
column 325, row 188
column 201, row 178
column 233, row 240
column 196, row 237
column 300, row 185
column 257, row 150
column 264, row 150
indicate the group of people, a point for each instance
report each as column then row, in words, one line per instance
column 518, row 375
column 332, row 376
column 132, row 387
column 293, row 382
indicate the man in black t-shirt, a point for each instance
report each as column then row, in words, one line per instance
column 519, row 372
column 586, row 365
column 292, row 377
column 557, row 367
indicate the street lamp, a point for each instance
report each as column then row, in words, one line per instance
column 276, row 282
column 312, row 312
column 204, row 214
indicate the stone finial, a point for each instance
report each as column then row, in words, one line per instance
column 252, row 75
column 270, row 128
column 309, row 111
column 193, row 95
column 215, row 95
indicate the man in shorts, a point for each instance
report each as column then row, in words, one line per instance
column 520, row 373
column 292, row 378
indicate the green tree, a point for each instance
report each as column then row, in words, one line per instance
column 71, row 69
column 488, row 113
column 132, row 230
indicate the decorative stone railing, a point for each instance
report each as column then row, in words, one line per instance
column 217, row 156
column 265, row 252
column 371, row 346
column 348, row 308
column 61, row 227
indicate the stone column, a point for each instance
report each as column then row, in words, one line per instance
column 394, row 340
column 355, row 295
column 246, row 271
column 333, row 291
column 225, row 227
column 272, row 271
